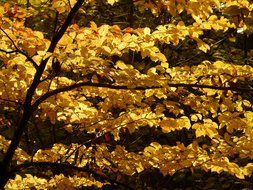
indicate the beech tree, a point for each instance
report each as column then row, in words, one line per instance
column 101, row 93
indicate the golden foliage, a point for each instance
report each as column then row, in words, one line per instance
column 97, row 95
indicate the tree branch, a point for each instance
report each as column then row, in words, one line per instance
column 233, row 88
column 67, row 166
column 65, row 25
column 81, row 84
column 89, row 84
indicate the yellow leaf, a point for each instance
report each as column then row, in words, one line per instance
column 111, row 2
column 161, row 57
column 248, row 169
column 217, row 169
column 152, row 71
column 107, row 49
column 127, row 37
column 232, row 39
column 103, row 30
column 60, row 5
column 122, row 46
column 120, row 64
column 213, row 18
column 36, row 2
column 1, row 9
column 184, row 122
column 203, row 46
column 146, row 31
column 69, row 128
column 196, row 117
column 206, row 26
column 208, row 128
column 165, row 65
column 65, row 40
column 149, row 92
column 72, row 2
column 156, row 145
column 169, row 125
column 139, row 167
column 246, row 103
column 239, row 174
column 93, row 26
column 180, row 8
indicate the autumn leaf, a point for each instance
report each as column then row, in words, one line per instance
column 208, row 127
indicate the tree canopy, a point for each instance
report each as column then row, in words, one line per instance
column 126, row 94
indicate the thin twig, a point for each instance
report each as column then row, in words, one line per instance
column 12, row 101
column 19, row 50
column 8, row 52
